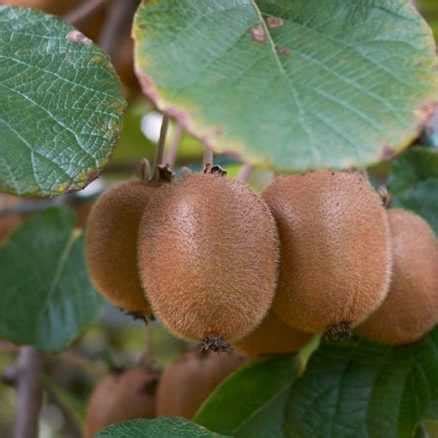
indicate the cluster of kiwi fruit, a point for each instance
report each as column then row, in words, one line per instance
column 217, row 263
column 144, row 392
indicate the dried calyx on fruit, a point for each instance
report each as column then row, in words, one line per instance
column 188, row 382
column 335, row 249
column 272, row 336
column 120, row 397
column 411, row 308
column 208, row 258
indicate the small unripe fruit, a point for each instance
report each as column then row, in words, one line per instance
column 188, row 382
column 208, row 255
column 111, row 245
column 335, row 249
column 272, row 336
column 121, row 397
column 410, row 309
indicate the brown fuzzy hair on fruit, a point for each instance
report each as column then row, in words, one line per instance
column 335, row 249
column 411, row 308
column 111, row 245
column 208, row 258
column 121, row 397
column 187, row 383
column 10, row 221
column 272, row 336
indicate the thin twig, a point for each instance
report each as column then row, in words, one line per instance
column 160, row 148
column 29, row 392
column 28, row 206
column 85, row 9
column 34, row 206
column 173, row 147
column 245, row 173
column 117, row 24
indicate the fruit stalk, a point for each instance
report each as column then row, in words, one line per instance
column 173, row 147
column 29, row 392
column 245, row 173
column 160, row 148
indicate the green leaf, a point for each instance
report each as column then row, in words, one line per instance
column 414, row 183
column 293, row 84
column 46, row 297
column 61, row 105
column 163, row 427
column 251, row 402
column 365, row 390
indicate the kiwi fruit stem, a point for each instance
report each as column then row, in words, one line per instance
column 160, row 149
column 207, row 159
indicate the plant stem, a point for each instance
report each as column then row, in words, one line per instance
column 173, row 147
column 245, row 173
column 27, row 206
column 160, row 147
column 29, row 392
column 207, row 158
column 117, row 24
column 85, row 8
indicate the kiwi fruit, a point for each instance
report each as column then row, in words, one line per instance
column 410, row 309
column 335, row 249
column 111, row 245
column 121, row 397
column 9, row 222
column 187, row 383
column 272, row 336
column 208, row 258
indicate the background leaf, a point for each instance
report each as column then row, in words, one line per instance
column 252, row 401
column 365, row 390
column 61, row 105
column 46, row 298
column 290, row 84
column 413, row 183
column 160, row 428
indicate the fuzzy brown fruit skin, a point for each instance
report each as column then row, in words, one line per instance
column 121, row 397
column 187, row 383
column 335, row 249
column 111, row 245
column 272, row 336
column 208, row 256
column 411, row 308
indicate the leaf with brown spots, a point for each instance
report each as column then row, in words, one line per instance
column 292, row 85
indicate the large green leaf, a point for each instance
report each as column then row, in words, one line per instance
column 251, row 403
column 61, row 105
column 296, row 84
column 414, row 183
column 163, row 427
column 46, row 299
column 365, row 390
